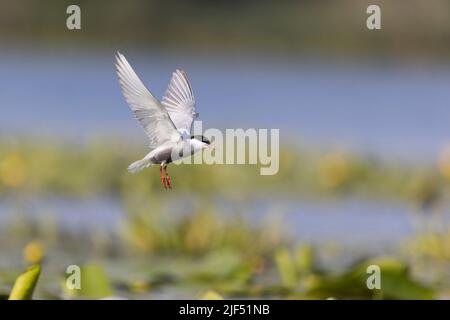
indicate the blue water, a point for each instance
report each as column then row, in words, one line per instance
column 349, row 223
column 386, row 109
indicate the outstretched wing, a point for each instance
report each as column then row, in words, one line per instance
column 152, row 116
column 180, row 103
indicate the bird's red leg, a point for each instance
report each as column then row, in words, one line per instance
column 163, row 180
column 168, row 178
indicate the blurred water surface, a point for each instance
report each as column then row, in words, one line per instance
column 377, row 108
column 386, row 109
column 349, row 224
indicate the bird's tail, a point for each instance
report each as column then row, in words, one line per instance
column 139, row 165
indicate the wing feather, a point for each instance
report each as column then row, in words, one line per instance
column 151, row 115
column 179, row 102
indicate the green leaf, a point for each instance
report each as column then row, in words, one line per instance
column 396, row 282
column 217, row 265
column 24, row 286
column 286, row 268
column 304, row 259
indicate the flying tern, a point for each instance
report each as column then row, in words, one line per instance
column 167, row 123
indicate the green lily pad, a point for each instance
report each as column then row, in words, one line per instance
column 396, row 282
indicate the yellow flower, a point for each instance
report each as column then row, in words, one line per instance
column 139, row 286
column 211, row 295
column 333, row 170
column 33, row 252
column 12, row 170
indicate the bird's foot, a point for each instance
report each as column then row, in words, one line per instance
column 163, row 179
column 169, row 182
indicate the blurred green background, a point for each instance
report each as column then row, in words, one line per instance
column 364, row 160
